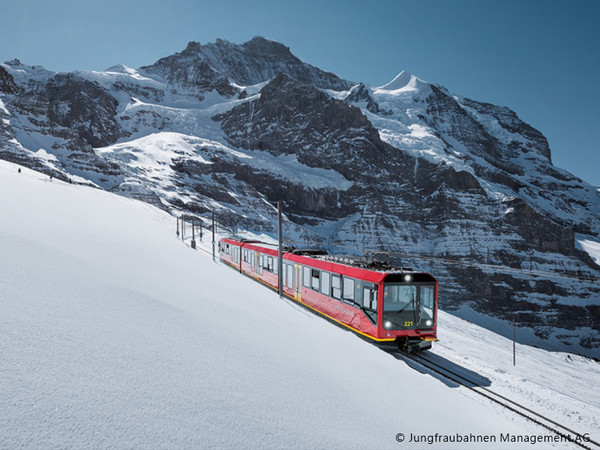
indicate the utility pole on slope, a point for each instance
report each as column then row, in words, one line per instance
column 280, row 258
column 193, row 234
column 514, row 344
column 213, row 236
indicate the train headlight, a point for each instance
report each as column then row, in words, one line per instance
column 429, row 322
column 387, row 324
column 407, row 278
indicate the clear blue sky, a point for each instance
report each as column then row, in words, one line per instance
column 539, row 57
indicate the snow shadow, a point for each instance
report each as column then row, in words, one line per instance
column 468, row 376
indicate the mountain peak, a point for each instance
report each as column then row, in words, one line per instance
column 262, row 39
column 404, row 81
column 260, row 42
column 256, row 61
column 121, row 68
column 192, row 47
column 21, row 71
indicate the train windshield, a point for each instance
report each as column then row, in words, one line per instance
column 408, row 306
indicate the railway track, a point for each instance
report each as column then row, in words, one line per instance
column 566, row 433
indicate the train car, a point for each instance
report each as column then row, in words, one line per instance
column 394, row 309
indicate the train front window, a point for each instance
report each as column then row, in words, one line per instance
column 408, row 306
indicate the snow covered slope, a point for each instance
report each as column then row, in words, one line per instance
column 114, row 334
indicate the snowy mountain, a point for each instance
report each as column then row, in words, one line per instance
column 407, row 171
column 122, row 344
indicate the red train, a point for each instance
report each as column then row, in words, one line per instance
column 392, row 309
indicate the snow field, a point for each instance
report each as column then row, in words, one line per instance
column 114, row 334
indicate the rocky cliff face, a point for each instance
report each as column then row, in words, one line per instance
column 321, row 131
column 53, row 121
column 406, row 172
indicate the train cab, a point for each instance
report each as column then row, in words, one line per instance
column 409, row 303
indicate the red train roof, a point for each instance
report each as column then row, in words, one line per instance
column 360, row 273
column 342, row 269
column 354, row 272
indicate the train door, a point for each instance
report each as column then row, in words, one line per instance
column 298, row 283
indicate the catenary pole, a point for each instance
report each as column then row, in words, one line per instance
column 280, row 258
column 193, row 234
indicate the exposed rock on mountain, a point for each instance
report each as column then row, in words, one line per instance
column 7, row 83
column 319, row 130
column 55, row 120
column 83, row 108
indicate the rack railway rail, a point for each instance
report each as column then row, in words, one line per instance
column 566, row 433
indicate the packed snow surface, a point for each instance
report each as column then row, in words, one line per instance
column 116, row 334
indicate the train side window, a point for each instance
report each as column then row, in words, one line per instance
column 306, row 277
column 326, row 283
column 276, row 266
column 315, row 276
column 370, row 298
column 336, row 286
column 348, row 289
column 270, row 263
column 290, row 276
